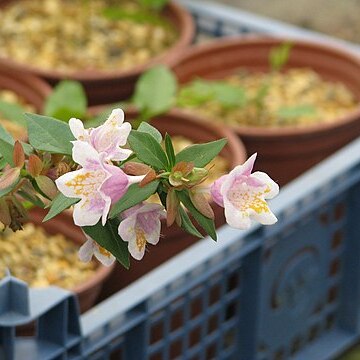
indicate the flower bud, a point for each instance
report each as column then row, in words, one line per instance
column 18, row 155
column 135, row 168
column 9, row 177
column 47, row 186
column 172, row 207
column 149, row 177
column 34, row 165
column 197, row 175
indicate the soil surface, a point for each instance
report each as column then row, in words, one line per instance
column 333, row 17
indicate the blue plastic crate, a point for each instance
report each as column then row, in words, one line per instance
column 289, row 291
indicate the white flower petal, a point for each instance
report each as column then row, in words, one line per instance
column 264, row 217
column 147, row 207
column 126, row 228
column 104, row 256
column 236, row 218
column 81, row 183
column 135, row 251
column 125, row 129
column 64, row 183
column 78, row 130
column 86, row 250
column 106, row 209
column 121, row 154
column 273, row 186
column 116, row 118
column 85, row 155
column 84, row 215
column 154, row 237
column 245, row 168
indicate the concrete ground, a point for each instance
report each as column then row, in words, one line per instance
column 339, row 18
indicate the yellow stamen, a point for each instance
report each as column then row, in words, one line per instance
column 140, row 239
column 104, row 252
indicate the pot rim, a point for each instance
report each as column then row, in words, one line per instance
column 186, row 30
column 27, row 83
column 271, row 132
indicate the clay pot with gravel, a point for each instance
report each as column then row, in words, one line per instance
column 22, row 89
column 105, row 44
column 46, row 254
column 183, row 130
column 331, row 85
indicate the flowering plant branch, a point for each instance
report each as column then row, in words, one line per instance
column 108, row 173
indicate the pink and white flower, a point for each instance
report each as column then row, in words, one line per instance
column 243, row 195
column 91, row 248
column 98, row 184
column 106, row 138
column 141, row 224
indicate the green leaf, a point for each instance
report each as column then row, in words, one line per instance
column 187, row 225
column 5, row 191
column 66, row 101
column 49, row 134
column 3, row 163
column 261, row 95
column 141, row 16
column 4, row 135
column 170, row 150
column 7, row 138
column 155, row 91
column 133, row 196
column 12, row 112
column 201, row 91
column 59, row 204
column 7, row 151
column 46, row 186
column 229, row 96
column 201, row 154
column 107, row 236
column 279, row 55
column 195, row 93
column 207, row 224
column 147, row 149
column 33, row 199
column 147, row 128
column 154, row 4
column 296, row 111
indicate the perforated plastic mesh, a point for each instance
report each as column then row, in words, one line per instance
column 202, row 321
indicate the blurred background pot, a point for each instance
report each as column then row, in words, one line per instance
column 283, row 152
column 173, row 239
column 29, row 90
column 107, row 86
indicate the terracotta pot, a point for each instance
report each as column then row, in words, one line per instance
column 285, row 152
column 29, row 87
column 174, row 239
column 104, row 87
column 88, row 291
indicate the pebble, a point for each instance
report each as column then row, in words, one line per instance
column 41, row 259
column 72, row 35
